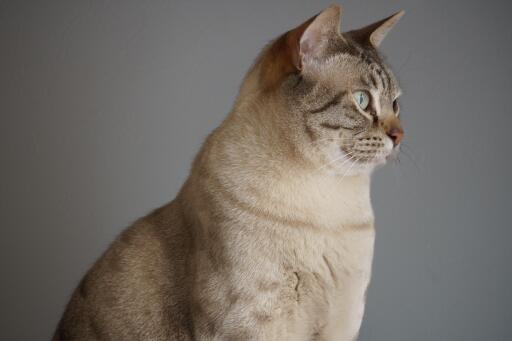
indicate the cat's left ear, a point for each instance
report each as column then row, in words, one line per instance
column 375, row 33
column 316, row 35
column 304, row 44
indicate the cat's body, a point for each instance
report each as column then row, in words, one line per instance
column 260, row 244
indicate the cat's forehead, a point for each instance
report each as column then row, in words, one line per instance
column 359, row 69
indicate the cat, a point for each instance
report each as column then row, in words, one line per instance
column 271, row 236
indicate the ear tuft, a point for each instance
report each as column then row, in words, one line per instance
column 375, row 33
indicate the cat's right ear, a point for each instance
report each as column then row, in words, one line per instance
column 294, row 50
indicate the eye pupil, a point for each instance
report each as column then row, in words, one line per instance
column 362, row 99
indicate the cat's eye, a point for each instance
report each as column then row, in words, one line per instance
column 396, row 107
column 362, row 99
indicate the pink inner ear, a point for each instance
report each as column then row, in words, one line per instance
column 314, row 38
column 282, row 57
column 289, row 52
column 293, row 42
column 310, row 45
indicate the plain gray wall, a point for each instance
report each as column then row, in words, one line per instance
column 104, row 104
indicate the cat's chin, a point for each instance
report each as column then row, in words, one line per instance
column 380, row 160
column 354, row 170
column 369, row 166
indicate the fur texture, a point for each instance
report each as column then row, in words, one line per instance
column 271, row 237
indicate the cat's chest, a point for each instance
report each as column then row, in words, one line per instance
column 333, row 258
column 333, row 280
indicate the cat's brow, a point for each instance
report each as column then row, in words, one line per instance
column 365, row 81
column 333, row 101
column 378, row 72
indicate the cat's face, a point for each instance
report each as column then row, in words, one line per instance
column 342, row 96
column 350, row 110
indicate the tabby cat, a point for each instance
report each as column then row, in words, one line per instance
column 271, row 237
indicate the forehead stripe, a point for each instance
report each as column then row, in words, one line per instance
column 375, row 65
column 384, row 80
column 374, row 80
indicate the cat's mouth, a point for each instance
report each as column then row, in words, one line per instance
column 371, row 154
column 355, row 161
column 379, row 158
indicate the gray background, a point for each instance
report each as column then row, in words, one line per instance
column 103, row 105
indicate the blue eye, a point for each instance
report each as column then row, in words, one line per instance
column 362, row 99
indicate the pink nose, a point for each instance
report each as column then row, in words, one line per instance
column 396, row 135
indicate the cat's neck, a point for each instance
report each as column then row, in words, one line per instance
column 248, row 160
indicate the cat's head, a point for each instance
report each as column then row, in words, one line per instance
column 341, row 99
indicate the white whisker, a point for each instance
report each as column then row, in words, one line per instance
column 349, row 168
column 350, row 155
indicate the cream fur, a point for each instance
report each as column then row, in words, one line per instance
column 271, row 237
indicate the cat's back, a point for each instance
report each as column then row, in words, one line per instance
column 138, row 289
